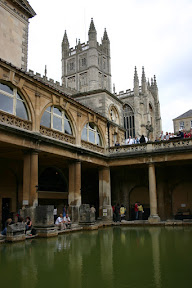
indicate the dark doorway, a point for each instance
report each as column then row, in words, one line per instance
column 6, row 208
column 52, row 179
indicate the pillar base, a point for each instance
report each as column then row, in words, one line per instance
column 74, row 214
column 154, row 219
column 106, row 213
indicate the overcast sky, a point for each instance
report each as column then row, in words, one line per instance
column 155, row 34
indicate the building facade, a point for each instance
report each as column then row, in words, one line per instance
column 183, row 122
column 55, row 148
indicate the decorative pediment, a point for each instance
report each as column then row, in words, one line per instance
column 25, row 6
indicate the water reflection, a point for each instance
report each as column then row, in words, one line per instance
column 111, row 257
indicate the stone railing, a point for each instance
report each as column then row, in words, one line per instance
column 12, row 120
column 91, row 146
column 152, row 146
column 57, row 135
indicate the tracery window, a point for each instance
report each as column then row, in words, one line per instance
column 91, row 134
column 56, row 119
column 129, row 121
column 12, row 102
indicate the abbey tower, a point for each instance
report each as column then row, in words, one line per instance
column 87, row 67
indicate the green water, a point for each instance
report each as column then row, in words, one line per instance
column 112, row 257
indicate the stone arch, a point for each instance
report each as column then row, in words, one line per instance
column 68, row 113
column 103, row 143
column 8, row 192
column 52, row 179
column 182, row 198
column 22, row 93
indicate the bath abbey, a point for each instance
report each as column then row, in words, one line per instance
column 64, row 144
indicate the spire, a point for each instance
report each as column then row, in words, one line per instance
column 92, row 26
column 155, row 82
column 151, row 81
column 65, row 39
column 105, row 36
column 136, row 83
column 92, row 35
column 143, row 79
column 45, row 70
column 136, row 79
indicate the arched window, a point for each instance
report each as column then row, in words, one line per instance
column 91, row 134
column 129, row 121
column 12, row 102
column 57, row 119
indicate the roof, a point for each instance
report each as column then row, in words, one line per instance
column 184, row 115
column 25, row 6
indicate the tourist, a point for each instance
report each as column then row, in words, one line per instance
column 64, row 211
column 136, row 211
column 117, row 143
column 140, row 211
column 161, row 136
column 166, row 136
column 142, row 139
column 67, row 221
column 136, row 140
column 180, row 134
column 28, row 223
column 122, row 212
column 60, row 222
column 8, row 222
column 55, row 213
column 93, row 210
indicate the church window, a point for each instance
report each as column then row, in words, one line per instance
column 71, row 66
column 91, row 134
column 56, row 119
column 12, row 102
column 83, row 62
column 129, row 121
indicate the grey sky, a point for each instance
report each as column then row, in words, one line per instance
column 150, row 33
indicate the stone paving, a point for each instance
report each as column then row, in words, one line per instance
column 103, row 224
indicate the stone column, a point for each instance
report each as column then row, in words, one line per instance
column 105, row 209
column 33, row 199
column 152, row 195
column 26, row 179
column 74, row 198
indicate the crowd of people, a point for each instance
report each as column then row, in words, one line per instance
column 17, row 219
column 167, row 136
column 120, row 212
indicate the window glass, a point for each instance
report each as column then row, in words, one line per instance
column 46, row 119
column 19, row 97
column 6, row 88
column 21, row 110
column 91, row 136
column 57, row 123
column 57, row 111
column 67, row 127
column 6, row 103
column 84, row 134
column 48, row 109
column 98, row 139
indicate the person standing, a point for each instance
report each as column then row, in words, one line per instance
column 140, row 210
column 136, row 211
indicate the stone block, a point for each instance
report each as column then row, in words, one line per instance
column 85, row 214
column 43, row 216
column 15, row 232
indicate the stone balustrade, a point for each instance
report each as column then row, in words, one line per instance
column 57, row 135
column 12, row 120
column 176, row 144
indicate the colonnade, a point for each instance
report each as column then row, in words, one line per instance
column 30, row 184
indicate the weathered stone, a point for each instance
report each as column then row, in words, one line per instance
column 44, row 216
column 15, row 232
column 86, row 216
